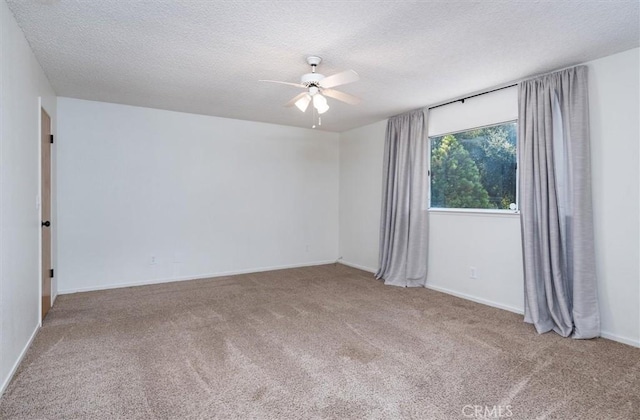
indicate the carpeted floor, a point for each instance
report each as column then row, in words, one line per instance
column 318, row 342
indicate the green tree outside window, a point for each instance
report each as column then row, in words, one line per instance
column 475, row 168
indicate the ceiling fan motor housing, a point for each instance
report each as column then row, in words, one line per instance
column 311, row 79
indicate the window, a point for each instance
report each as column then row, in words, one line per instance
column 475, row 169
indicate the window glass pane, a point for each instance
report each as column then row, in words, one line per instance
column 475, row 169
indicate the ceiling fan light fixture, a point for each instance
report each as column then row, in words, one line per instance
column 320, row 103
column 303, row 102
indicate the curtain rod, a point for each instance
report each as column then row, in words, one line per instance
column 513, row 83
column 472, row 96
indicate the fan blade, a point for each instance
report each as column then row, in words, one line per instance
column 341, row 96
column 300, row 97
column 342, row 78
column 284, row 83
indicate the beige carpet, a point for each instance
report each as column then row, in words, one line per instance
column 318, row 342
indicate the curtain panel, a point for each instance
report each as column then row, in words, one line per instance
column 404, row 216
column 556, row 208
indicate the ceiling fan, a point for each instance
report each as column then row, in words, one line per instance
column 317, row 86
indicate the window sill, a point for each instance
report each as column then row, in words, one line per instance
column 477, row 212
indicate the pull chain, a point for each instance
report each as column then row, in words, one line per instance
column 313, row 116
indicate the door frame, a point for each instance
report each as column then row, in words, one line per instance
column 41, row 109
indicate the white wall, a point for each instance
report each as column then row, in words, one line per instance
column 22, row 84
column 203, row 195
column 491, row 108
column 491, row 243
column 361, row 153
column 488, row 242
column 614, row 94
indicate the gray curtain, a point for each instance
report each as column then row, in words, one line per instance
column 556, row 209
column 404, row 217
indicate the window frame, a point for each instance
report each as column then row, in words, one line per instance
column 477, row 210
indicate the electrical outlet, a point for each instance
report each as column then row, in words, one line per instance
column 474, row 273
column 152, row 260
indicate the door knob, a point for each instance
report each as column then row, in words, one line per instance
column 46, row 223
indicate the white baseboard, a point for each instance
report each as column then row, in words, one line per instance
column 620, row 339
column 187, row 278
column 358, row 266
column 447, row 291
column 603, row 334
column 12, row 372
column 476, row 299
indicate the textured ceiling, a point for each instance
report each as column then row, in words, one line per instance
column 206, row 57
